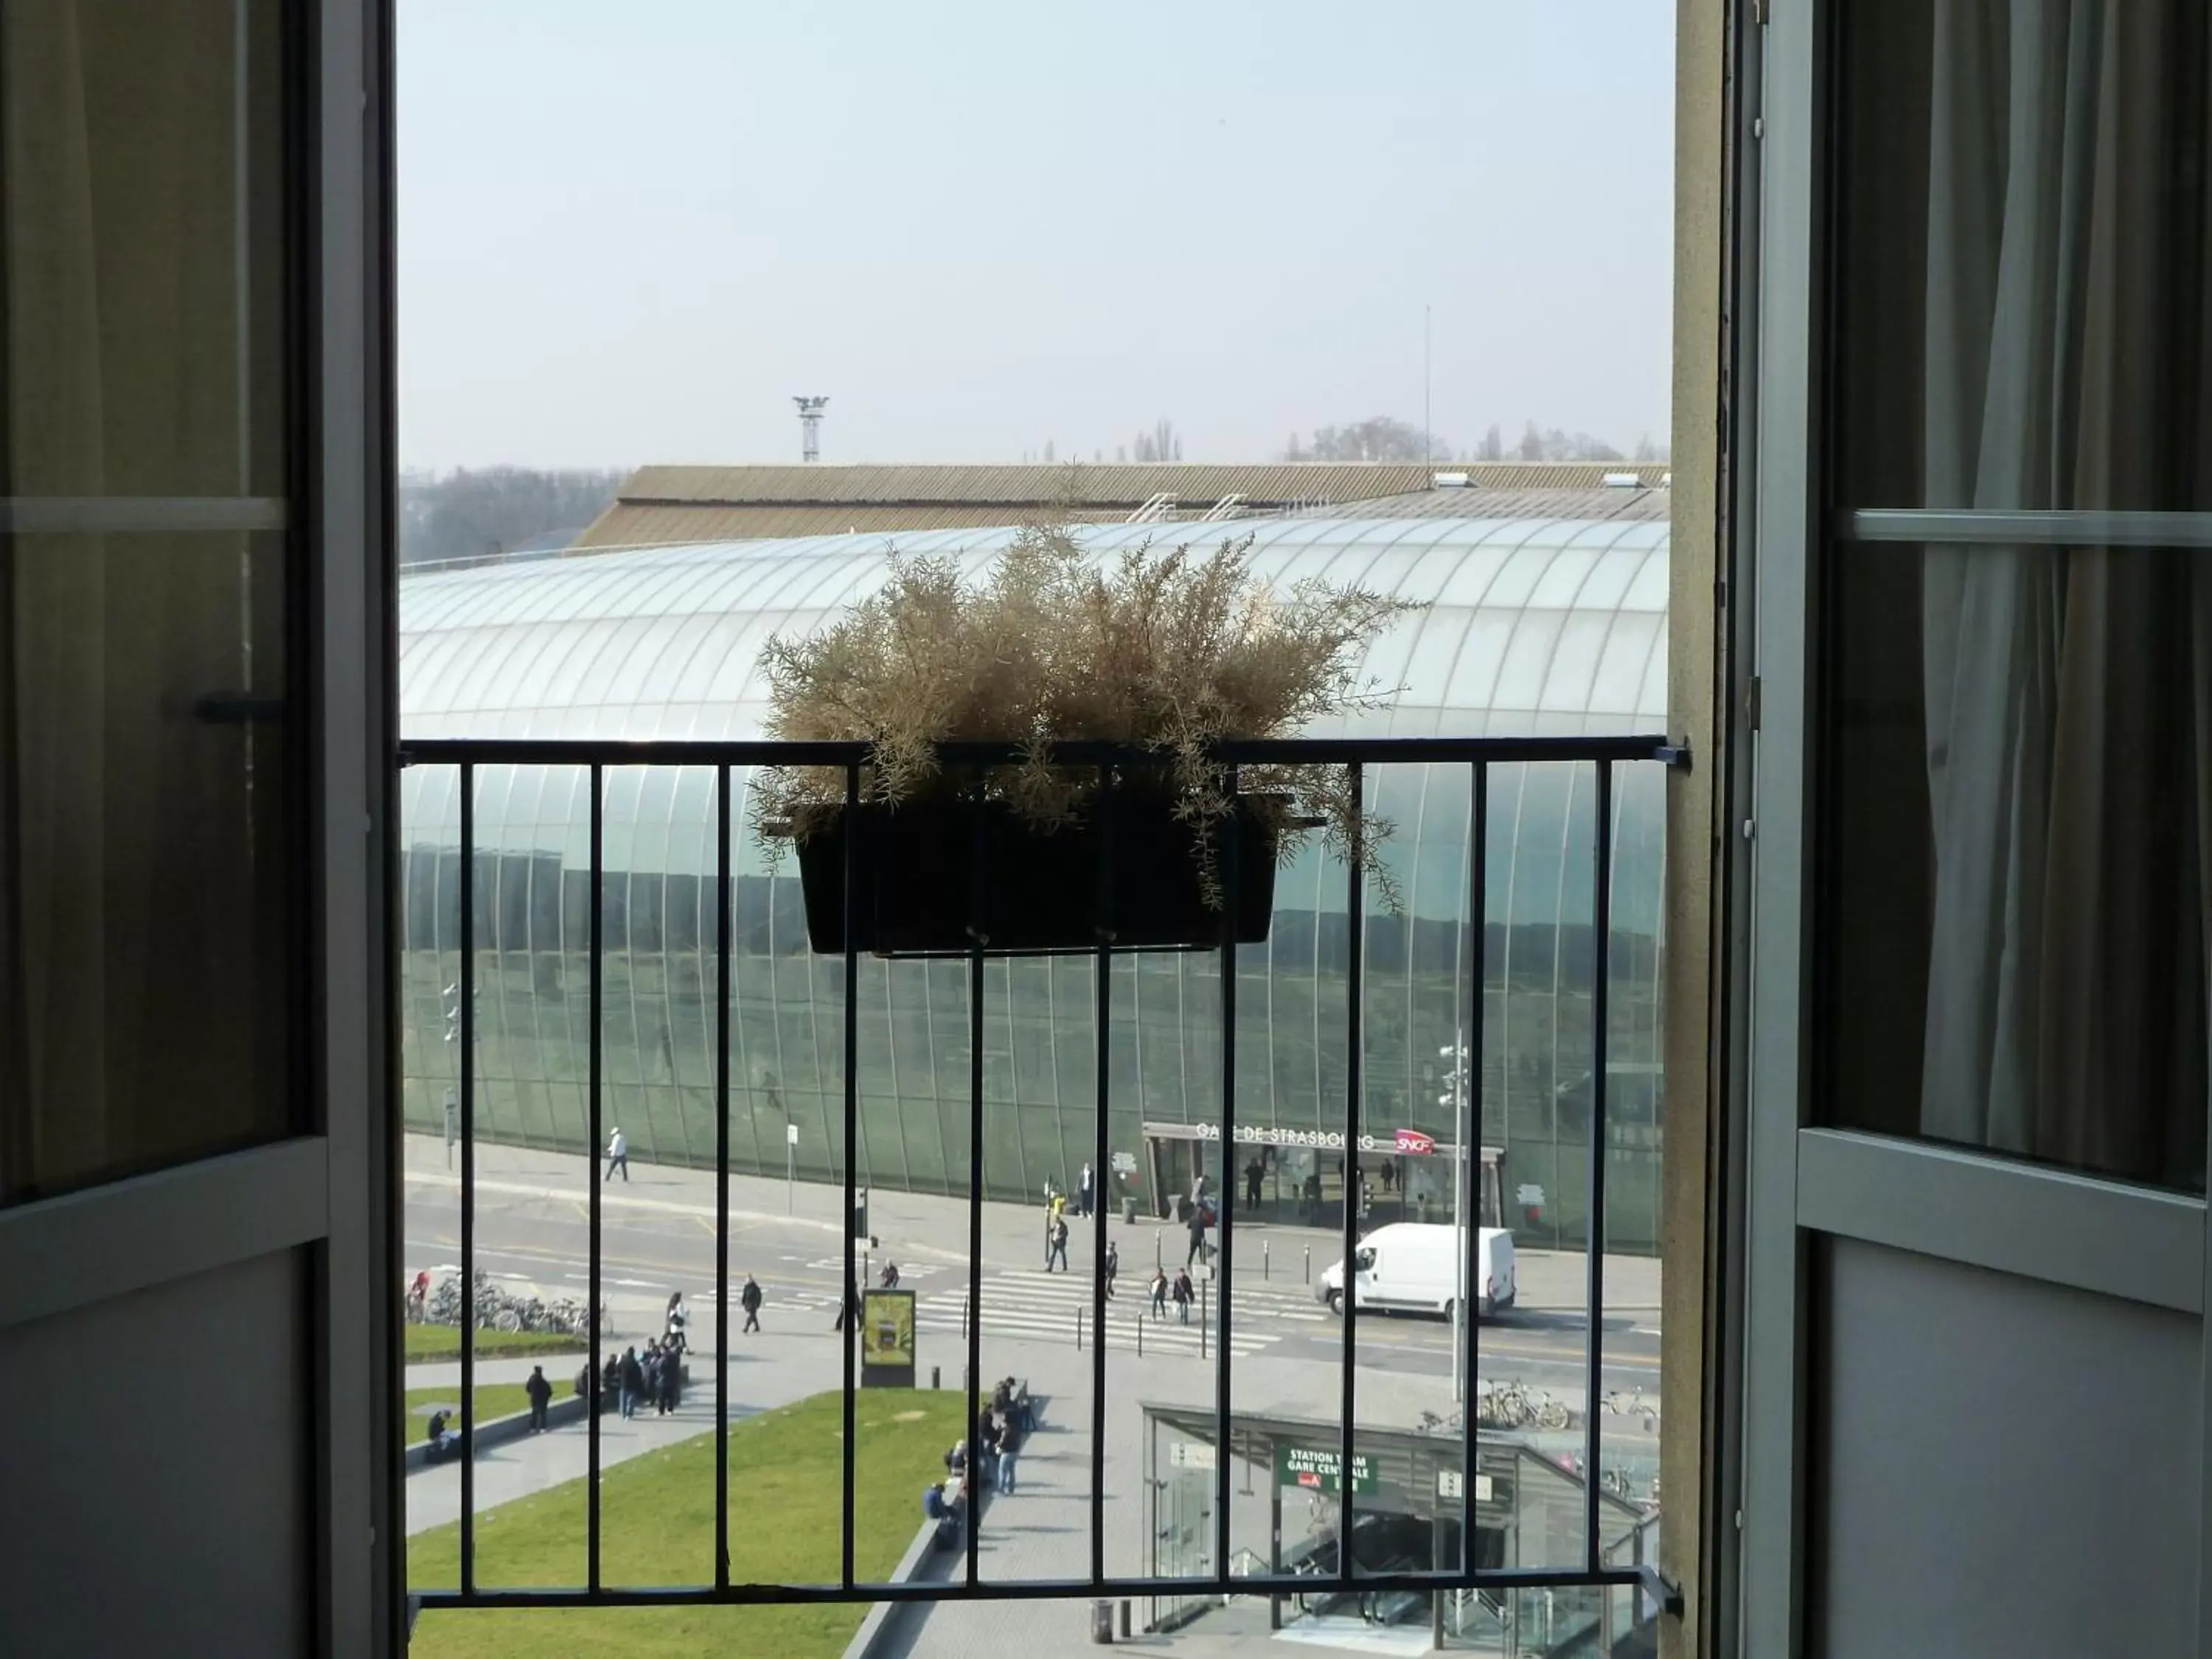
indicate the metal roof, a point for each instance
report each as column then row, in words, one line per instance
column 1526, row 625
column 660, row 505
column 1494, row 503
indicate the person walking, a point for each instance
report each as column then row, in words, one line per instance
column 540, row 1392
column 750, row 1300
column 1184, row 1295
column 633, row 1382
column 1085, row 1196
column 1253, row 1174
column 1159, row 1294
column 1058, row 1252
column 617, row 1156
column 850, row 1314
column 1113, row 1265
column 891, row 1275
column 1197, row 1234
column 671, row 1379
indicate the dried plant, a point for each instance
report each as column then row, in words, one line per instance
column 1172, row 650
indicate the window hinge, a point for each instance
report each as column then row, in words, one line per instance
column 1750, row 703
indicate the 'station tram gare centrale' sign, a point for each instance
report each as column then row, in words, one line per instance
column 1413, row 1141
column 1319, row 1468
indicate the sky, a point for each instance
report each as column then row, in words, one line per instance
column 632, row 233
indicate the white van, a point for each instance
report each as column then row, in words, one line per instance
column 1415, row 1267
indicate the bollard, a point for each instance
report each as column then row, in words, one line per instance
column 1308, row 1269
column 1078, row 1330
column 1266, row 1256
column 1125, row 1618
column 934, row 1382
column 1141, row 1336
column 1204, row 1319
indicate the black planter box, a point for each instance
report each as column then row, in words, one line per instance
column 917, row 866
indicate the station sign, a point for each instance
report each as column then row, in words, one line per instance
column 1415, row 1141
column 1321, row 1469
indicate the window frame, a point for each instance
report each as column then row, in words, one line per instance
column 1801, row 1180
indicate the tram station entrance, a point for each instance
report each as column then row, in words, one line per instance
column 1407, row 1506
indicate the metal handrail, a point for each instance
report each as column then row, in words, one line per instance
column 1601, row 752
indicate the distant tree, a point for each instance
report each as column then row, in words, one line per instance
column 1531, row 447
column 1050, row 456
column 1493, row 445
column 1121, row 454
column 1294, row 451
column 1379, row 438
column 487, row 513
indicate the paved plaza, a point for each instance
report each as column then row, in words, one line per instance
column 657, row 1231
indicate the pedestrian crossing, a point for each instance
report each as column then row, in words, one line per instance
column 1031, row 1304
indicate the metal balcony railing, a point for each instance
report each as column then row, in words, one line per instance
column 1601, row 753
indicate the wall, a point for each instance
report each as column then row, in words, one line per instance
column 164, row 1507
column 2001, row 1467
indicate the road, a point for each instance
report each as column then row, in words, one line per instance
column 541, row 1244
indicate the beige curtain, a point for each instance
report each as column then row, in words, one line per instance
column 2065, row 687
column 131, row 923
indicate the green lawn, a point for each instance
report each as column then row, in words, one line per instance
column 444, row 1342
column 658, row 1527
column 493, row 1399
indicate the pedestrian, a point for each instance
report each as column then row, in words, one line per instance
column 541, row 1395
column 1085, row 1194
column 1006, row 1448
column 444, row 1443
column 633, row 1382
column 675, row 1323
column 1059, row 1248
column 750, row 1300
column 617, row 1156
column 1159, row 1294
column 891, row 1275
column 1113, row 1264
column 1184, row 1295
column 672, row 1379
column 1197, row 1234
column 1253, row 1176
column 850, row 1313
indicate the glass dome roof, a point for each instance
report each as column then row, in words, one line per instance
column 1528, row 625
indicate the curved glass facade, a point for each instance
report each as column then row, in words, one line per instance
column 1530, row 627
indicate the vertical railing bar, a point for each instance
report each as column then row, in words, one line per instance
column 1470, row 1132
column 1594, row 1216
column 465, row 987
column 851, row 1325
column 722, row 825
column 1223, row 1398
column 1354, row 909
column 1103, row 969
column 978, row 886
column 594, row 1065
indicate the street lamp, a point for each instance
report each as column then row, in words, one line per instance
column 1455, row 1100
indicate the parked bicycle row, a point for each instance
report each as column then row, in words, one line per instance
column 495, row 1308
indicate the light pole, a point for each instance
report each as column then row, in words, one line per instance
column 1454, row 1099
